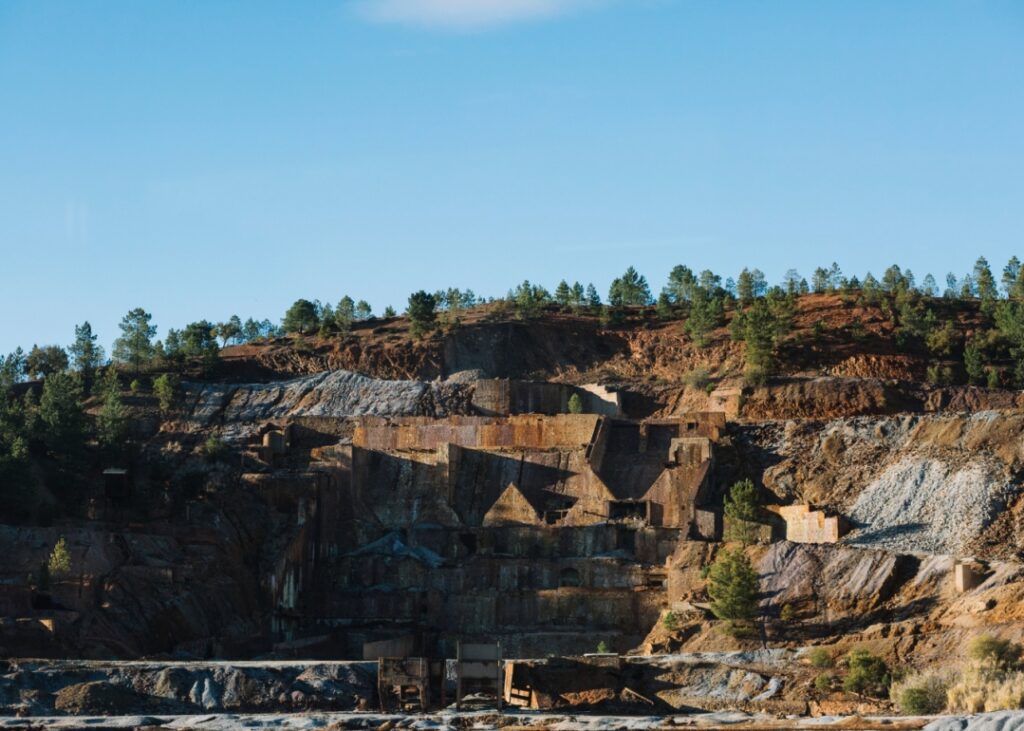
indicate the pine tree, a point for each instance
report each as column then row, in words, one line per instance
column 984, row 280
column 741, row 509
column 135, row 346
column 112, row 421
column 579, row 296
column 529, row 299
column 629, row 289
column 60, row 413
column 593, row 298
column 1011, row 274
column 733, row 586
column 745, row 287
column 681, row 284
column 60, row 559
column 706, row 313
column 86, row 354
column 664, row 306
column 820, row 280
column 165, row 387
column 952, row 286
column 302, row 317
column 563, row 294
column 422, row 313
column 762, row 326
column 791, row 281
column 835, row 277
column 345, row 314
column 43, row 361
column 230, row 330
column 974, row 364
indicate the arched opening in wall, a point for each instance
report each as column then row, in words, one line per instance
column 569, row 577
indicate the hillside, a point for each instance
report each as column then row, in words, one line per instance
column 307, row 495
column 840, row 357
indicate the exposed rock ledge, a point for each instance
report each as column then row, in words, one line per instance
column 333, row 393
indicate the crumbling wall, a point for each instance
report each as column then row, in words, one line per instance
column 503, row 397
column 498, row 527
column 523, row 432
column 804, row 525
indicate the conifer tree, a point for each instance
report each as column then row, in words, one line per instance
column 422, row 313
column 345, row 314
column 135, row 346
column 741, row 508
column 733, row 586
column 59, row 562
column 86, row 354
column 563, row 294
column 1011, row 273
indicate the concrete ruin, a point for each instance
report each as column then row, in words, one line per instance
column 503, row 397
column 547, row 533
column 804, row 525
column 968, row 575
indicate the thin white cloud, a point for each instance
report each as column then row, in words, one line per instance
column 465, row 14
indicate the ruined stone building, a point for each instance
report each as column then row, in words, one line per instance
column 547, row 533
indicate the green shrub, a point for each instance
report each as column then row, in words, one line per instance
column 939, row 375
column 867, row 674
column 135, row 386
column 165, row 386
column 602, row 646
column 670, row 621
column 214, row 448
column 697, row 378
column 920, row 694
column 823, row 683
column 994, row 652
column 60, row 559
column 992, row 378
column 575, row 404
column 754, row 375
column 788, row 614
column 917, row 702
column 820, row 658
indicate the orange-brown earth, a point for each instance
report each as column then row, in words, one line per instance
column 848, row 423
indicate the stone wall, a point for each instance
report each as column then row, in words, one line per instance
column 530, row 432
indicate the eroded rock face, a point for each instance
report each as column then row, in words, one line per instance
column 237, row 407
column 913, row 483
column 841, row 578
column 930, row 504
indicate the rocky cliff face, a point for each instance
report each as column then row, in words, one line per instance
column 237, row 409
column 915, row 483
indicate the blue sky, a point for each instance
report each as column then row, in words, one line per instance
column 207, row 158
